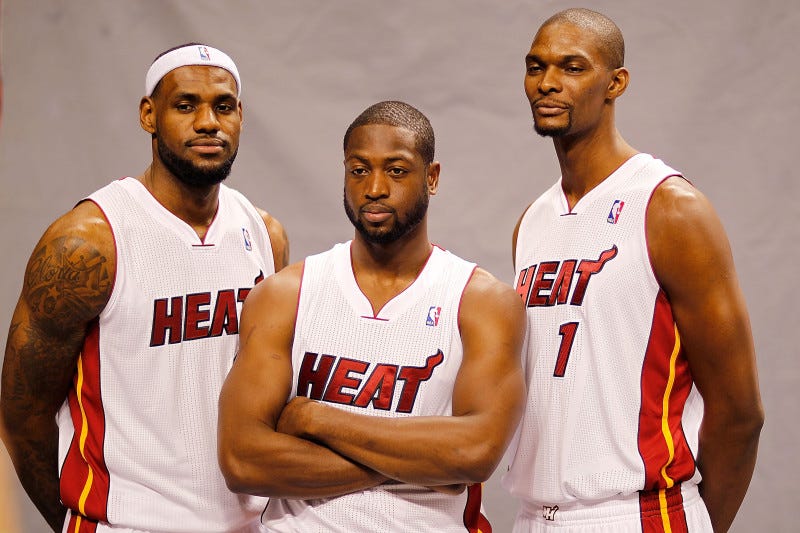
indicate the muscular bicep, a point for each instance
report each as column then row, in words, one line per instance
column 67, row 284
column 259, row 383
column 490, row 382
column 693, row 262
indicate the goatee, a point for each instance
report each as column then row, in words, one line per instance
column 401, row 227
column 189, row 173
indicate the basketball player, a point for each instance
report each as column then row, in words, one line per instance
column 643, row 411
column 128, row 323
column 400, row 362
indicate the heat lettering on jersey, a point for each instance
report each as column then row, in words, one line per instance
column 552, row 282
column 189, row 317
column 347, row 382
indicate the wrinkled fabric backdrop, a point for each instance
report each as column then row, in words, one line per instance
column 713, row 93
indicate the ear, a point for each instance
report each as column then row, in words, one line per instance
column 147, row 117
column 433, row 177
column 241, row 111
column 619, row 82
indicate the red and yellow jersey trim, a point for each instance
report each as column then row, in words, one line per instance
column 84, row 479
column 665, row 385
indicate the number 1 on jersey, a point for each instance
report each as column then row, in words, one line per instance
column 567, row 332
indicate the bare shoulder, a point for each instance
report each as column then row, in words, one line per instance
column 684, row 232
column 283, row 286
column 487, row 296
column 278, row 238
column 270, row 311
column 676, row 203
column 71, row 271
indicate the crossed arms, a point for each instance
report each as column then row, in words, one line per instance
column 307, row 449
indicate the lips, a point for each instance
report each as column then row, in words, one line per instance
column 549, row 108
column 206, row 142
column 550, row 104
column 206, row 145
column 376, row 213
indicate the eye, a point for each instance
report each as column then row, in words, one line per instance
column 183, row 107
column 397, row 172
column 574, row 69
column 225, row 108
column 533, row 68
column 359, row 171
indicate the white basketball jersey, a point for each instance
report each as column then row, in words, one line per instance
column 138, row 431
column 611, row 406
column 402, row 361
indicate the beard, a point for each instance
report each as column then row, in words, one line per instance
column 402, row 226
column 553, row 131
column 190, row 174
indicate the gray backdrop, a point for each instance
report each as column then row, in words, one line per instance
column 713, row 93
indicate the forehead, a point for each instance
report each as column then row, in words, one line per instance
column 560, row 39
column 382, row 139
column 198, row 79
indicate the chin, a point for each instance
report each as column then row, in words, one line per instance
column 551, row 131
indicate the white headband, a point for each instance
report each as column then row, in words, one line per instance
column 189, row 55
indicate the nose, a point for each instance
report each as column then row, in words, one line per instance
column 377, row 186
column 549, row 82
column 205, row 120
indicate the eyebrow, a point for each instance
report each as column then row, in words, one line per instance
column 185, row 95
column 564, row 59
column 392, row 159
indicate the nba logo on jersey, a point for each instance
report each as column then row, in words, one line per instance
column 613, row 215
column 205, row 56
column 247, row 244
column 433, row 316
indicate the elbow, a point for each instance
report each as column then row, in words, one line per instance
column 742, row 423
column 477, row 465
column 245, row 473
column 239, row 472
column 750, row 420
column 234, row 471
column 757, row 420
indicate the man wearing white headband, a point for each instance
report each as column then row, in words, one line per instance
column 191, row 54
column 128, row 323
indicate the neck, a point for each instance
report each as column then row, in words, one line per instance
column 197, row 206
column 587, row 160
column 402, row 258
column 383, row 271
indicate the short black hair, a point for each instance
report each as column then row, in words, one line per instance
column 401, row 115
column 609, row 34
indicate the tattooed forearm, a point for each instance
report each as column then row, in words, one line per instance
column 35, row 379
column 37, row 366
column 39, row 476
column 67, row 281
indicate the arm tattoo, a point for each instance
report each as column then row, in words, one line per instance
column 67, row 282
